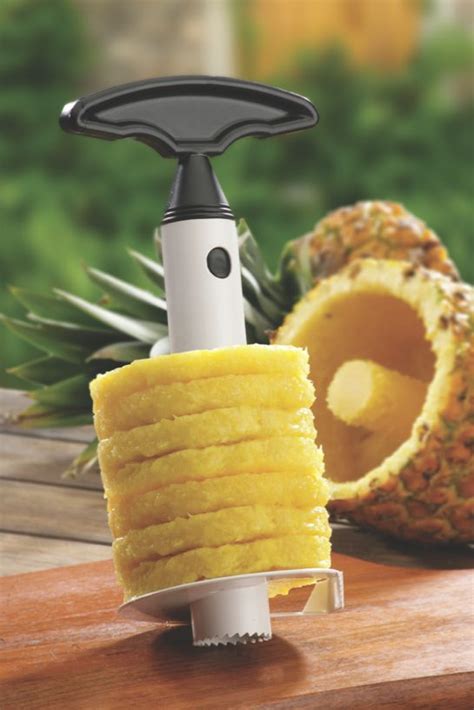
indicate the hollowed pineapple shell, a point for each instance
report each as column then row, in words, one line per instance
column 418, row 323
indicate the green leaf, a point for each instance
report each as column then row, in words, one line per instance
column 259, row 321
column 74, row 334
column 295, row 270
column 43, row 370
column 41, row 416
column 251, row 258
column 136, row 301
column 141, row 330
column 50, row 307
column 86, row 460
column 153, row 269
column 122, row 352
column 254, row 294
column 72, row 393
column 36, row 335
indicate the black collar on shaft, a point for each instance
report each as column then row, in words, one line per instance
column 196, row 193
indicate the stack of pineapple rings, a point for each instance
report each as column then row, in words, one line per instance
column 209, row 466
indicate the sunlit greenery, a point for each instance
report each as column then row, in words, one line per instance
column 65, row 200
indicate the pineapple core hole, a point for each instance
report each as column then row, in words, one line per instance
column 370, row 358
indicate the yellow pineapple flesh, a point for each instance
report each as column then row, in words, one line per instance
column 384, row 402
column 180, row 499
column 217, row 426
column 195, row 365
column 226, row 526
column 363, row 393
column 280, row 453
column 182, row 398
column 210, row 466
column 289, row 552
column 420, row 324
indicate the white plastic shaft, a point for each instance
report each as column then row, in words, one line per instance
column 232, row 616
column 205, row 311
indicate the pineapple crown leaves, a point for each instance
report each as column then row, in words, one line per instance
column 295, row 272
column 80, row 338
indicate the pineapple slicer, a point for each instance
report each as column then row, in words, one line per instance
column 234, row 610
column 192, row 119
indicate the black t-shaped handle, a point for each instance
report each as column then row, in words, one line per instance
column 184, row 115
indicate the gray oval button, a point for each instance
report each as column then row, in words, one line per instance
column 218, row 262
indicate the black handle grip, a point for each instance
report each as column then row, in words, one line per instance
column 188, row 114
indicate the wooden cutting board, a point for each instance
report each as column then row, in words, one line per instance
column 405, row 640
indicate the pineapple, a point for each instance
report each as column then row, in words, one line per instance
column 363, row 393
column 281, row 453
column 383, row 402
column 291, row 551
column 417, row 324
column 181, row 398
column 378, row 229
column 227, row 526
column 189, row 493
column 194, row 365
column 216, row 426
column 180, row 499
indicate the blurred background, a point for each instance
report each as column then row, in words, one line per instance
column 392, row 79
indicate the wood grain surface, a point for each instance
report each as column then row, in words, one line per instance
column 403, row 641
column 43, row 553
column 46, row 518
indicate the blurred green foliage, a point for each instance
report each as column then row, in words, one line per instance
column 65, row 200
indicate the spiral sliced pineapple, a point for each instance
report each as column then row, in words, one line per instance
column 181, row 398
column 289, row 552
column 177, row 500
column 227, row 526
column 199, row 364
column 210, row 467
column 218, row 426
column 280, row 453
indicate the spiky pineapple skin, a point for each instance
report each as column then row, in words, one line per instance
column 430, row 498
column 377, row 229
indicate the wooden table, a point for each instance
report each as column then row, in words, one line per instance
column 47, row 519
column 405, row 639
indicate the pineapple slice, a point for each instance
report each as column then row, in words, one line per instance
column 230, row 525
column 182, row 499
column 182, row 398
column 420, row 324
column 199, row 364
column 218, row 426
column 289, row 552
column 282, row 453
